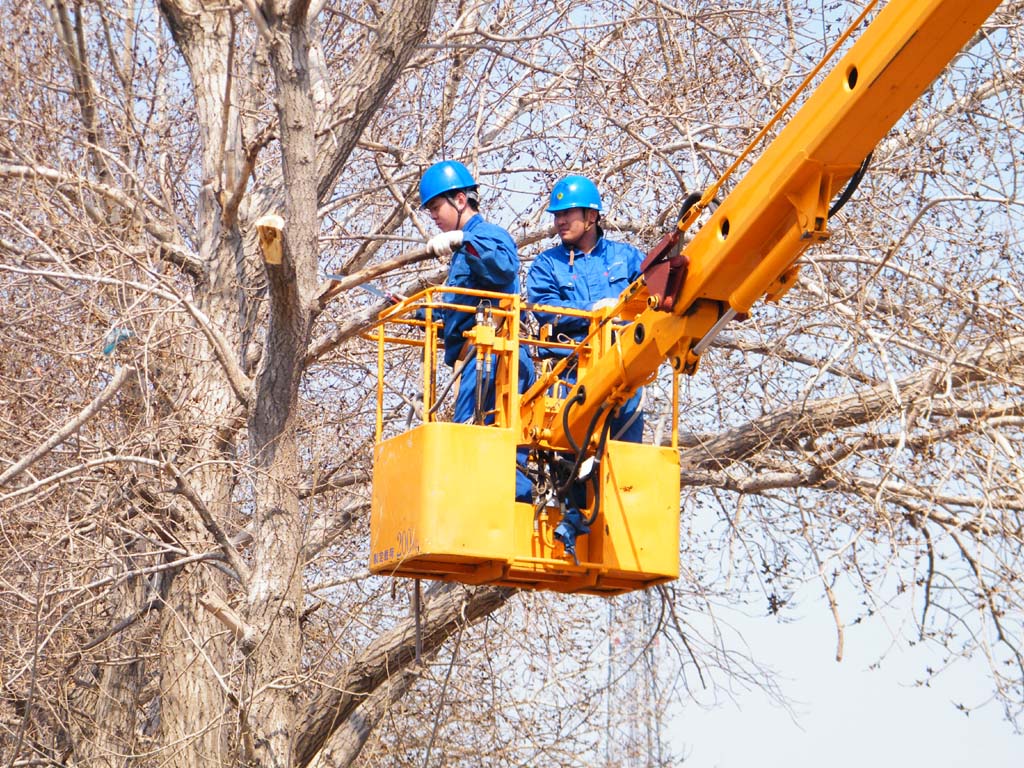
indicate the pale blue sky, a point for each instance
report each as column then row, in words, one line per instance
column 850, row 716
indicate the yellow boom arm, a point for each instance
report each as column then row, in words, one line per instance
column 748, row 247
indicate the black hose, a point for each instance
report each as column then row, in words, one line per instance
column 851, row 187
column 448, row 387
column 691, row 200
column 578, row 399
column 580, row 456
column 564, row 489
column 595, row 477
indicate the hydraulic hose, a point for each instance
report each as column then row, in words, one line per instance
column 478, row 389
column 691, row 200
column 578, row 399
column 601, row 409
column 448, row 387
column 851, row 187
column 595, row 476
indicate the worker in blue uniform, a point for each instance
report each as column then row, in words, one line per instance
column 483, row 257
column 585, row 271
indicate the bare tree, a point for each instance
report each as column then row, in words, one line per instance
column 187, row 430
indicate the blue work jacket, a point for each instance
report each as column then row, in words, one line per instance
column 487, row 261
column 557, row 280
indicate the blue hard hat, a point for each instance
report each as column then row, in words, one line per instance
column 575, row 192
column 446, row 176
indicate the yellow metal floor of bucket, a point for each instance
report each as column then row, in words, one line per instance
column 443, row 508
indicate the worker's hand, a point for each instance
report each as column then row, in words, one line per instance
column 604, row 304
column 445, row 243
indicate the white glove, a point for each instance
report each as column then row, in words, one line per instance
column 445, row 243
column 604, row 304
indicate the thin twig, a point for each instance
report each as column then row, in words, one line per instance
column 440, row 703
column 68, row 429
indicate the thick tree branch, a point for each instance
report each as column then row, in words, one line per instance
column 451, row 608
column 360, row 96
column 809, row 419
column 345, row 744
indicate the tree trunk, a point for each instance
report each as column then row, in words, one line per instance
column 274, row 600
column 195, row 649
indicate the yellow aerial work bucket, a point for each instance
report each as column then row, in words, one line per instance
column 444, row 506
